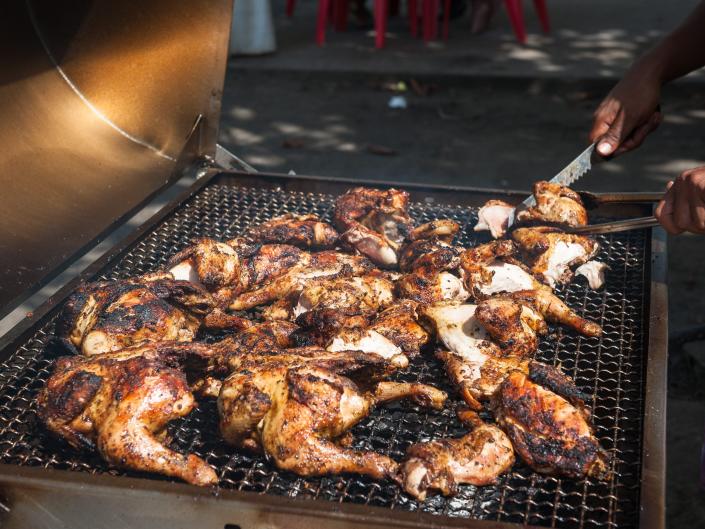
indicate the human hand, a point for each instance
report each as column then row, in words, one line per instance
column 682, row 208
column 628, row 114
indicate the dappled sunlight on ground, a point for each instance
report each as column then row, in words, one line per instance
column 590, row 39
column 484, row 134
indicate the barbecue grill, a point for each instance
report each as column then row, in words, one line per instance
column 44, row 483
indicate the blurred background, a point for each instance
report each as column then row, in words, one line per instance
column 480, row 108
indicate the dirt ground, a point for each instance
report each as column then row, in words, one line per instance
column 502, row 134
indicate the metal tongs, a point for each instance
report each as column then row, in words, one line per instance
column 614, row 226
column 593, row 200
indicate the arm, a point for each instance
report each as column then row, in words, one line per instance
column 631, row 110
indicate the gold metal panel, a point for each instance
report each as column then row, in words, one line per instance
column 97, row 99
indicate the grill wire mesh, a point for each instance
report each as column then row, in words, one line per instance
column 609, row 368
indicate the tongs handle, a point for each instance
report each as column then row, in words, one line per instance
column 615, row 226
column 593, row 200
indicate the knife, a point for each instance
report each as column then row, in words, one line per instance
column 571, row 173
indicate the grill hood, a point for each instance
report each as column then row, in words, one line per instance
column 102, row 104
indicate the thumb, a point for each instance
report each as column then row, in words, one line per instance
column 615, row 135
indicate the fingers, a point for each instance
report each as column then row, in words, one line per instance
column 603, row 118
column 683, row 206
column 607, row 126
column 664, row 211
column 640, row 133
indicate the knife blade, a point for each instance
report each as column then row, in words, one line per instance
column 570, row 173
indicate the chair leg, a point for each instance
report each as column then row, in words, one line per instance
column 412, row 8
column 517, row 19
column 340, row 16
column 426, row 16
column 435, row 4
column 381, row 10
column 446, row 19
column 323, row 7
column 542, row 12
column 290, row 5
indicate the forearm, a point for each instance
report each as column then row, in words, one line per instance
column 680, row 52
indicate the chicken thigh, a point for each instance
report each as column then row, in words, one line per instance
column 478, row 458
column 553, row 253
column 550, row 432
column 374, row 221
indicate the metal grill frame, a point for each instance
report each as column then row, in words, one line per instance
column 37, row 497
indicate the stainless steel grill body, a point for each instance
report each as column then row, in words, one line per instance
column 612, row 369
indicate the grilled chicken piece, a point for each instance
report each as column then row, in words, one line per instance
column 552, row 253
column 357, row 294
column 474, row 363
column 323, row 264
column 399, row 324
column 121, row 407
column 516, row 320
column 369, row 341
column 428, row 263
column 594, row 272
column 555, row 204
column 441, row 229
column 304, row 231
column 478, row 458
column 553, row 309
column 488, row 340
column 109, row 315
column 494, row 217
column 375, row 222
column 513, row 325
column 430, row 253
column 552, row 434
column 299, row 417
column 227, row 269
column 430, row 286
column 491, row 268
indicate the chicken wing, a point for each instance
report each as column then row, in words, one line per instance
column 304, row 231
column 549, row 432
column 516, row 320
column 477, row 458
column 441, row 229
column 121, row 407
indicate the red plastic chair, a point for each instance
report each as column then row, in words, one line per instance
column 516, row 17
column 337, row 12
column 429, row 18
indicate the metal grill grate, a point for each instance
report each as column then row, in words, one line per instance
column 609, row 368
